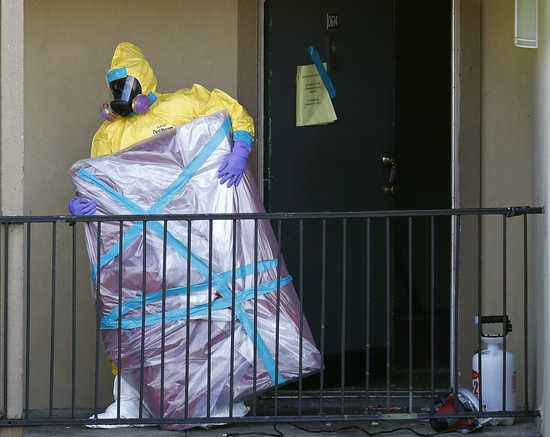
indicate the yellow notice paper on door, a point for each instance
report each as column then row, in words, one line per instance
column 313, row 103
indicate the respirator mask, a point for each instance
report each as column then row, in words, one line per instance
column 127, row 99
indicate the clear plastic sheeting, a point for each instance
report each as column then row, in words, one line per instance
column 175, row 173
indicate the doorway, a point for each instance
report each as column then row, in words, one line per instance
column 391, row 64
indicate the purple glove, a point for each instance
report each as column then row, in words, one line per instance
column 233, row 165
column 81, row 206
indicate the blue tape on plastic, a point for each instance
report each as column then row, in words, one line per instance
column 248, row 325
column 189, row 171
column 322, row 72
column 117, row 73
column 242, row 135
column 197, row 263
column 225, row 277
column 134, row 232
column 124, row 201
column 196, row 310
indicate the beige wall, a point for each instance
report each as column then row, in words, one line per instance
column 506, row 163
column 12, row 177
column 540, row 246
column 68, row 48
column 247, row 68
column 501, row 101
column 468, row 174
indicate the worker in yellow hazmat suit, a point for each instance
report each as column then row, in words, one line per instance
column 137, row 112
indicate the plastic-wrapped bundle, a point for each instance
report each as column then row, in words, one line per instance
column 175, row 173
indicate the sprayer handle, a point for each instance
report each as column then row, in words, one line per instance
column 487, row 320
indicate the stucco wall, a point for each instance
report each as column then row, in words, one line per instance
column 467, row 43
column 506, row 164
column 68, row 48
column 247, row 68
column 541, row 181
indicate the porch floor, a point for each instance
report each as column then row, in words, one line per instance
column 522, row 428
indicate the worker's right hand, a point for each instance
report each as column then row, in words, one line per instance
column 82, row 206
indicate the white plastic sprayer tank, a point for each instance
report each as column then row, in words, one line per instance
column 491, row 378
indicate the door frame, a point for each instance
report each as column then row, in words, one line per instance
column 261, row 90
column 455, row 164
column 465, row 129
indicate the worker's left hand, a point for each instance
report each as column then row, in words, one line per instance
column 234, row 164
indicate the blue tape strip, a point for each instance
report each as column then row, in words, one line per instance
column 263, row 351
column 225, row 277
column 242, row 135
column 322, row 72
column 117, row 73
column 196, row 310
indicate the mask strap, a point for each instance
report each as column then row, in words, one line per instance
column 152, row 97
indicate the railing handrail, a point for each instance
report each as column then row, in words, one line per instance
column 509, row 211
column 312, row 405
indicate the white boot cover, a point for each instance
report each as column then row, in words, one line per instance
column 129, row 406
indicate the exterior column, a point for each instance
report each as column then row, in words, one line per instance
column 466, row 175
column 12, row 188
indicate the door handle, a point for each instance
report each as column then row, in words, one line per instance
column 388, row 161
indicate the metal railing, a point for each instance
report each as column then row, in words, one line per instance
column 303, row 399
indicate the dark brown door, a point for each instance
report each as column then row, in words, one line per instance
column 390, row 64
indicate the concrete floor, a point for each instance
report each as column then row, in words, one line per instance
column 524, row 428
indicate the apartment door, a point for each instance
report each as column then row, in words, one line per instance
column 390, row 62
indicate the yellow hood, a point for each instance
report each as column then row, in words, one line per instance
column 132, row 58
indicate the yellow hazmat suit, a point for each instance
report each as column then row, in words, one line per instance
column 167, row 110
